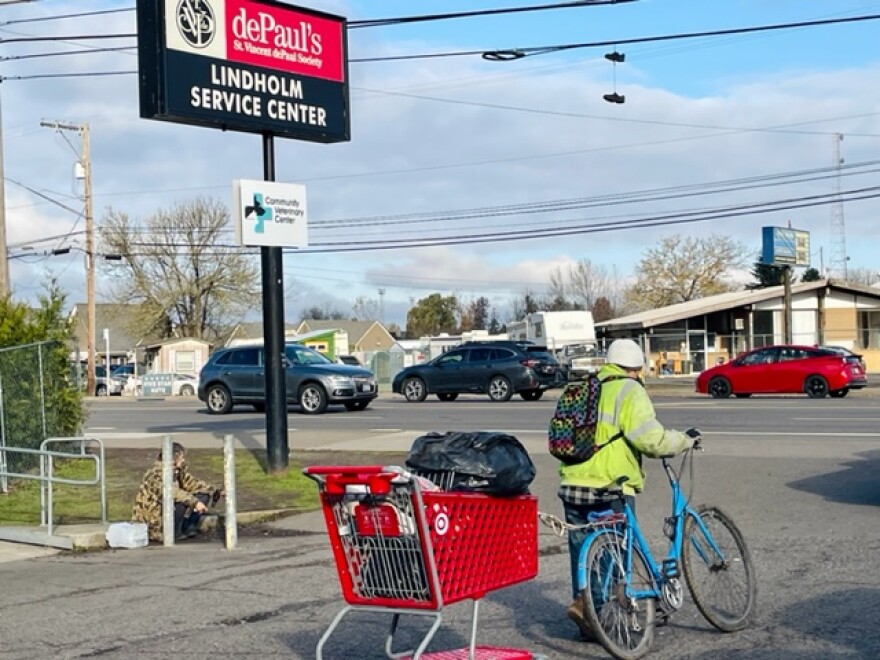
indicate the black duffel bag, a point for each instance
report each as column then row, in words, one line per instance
column 479, row 461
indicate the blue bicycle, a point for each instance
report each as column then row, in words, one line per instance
column 623, row 586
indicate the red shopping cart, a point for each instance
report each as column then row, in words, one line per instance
column 400, row 549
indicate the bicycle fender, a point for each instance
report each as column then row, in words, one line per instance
column 585, row 548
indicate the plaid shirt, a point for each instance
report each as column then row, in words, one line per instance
column 579, row 495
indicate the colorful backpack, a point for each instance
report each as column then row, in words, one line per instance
column 572, row 434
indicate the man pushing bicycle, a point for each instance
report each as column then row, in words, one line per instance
column 625, row 428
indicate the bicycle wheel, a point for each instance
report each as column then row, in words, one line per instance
column 723, row 587
column 623, row 625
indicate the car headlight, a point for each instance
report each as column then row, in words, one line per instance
column 341, row 381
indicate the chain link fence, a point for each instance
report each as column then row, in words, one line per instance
column 37, row 401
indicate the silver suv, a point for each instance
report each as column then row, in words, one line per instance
column 237, row 375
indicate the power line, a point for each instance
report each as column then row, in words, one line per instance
column 382, row 22
column 578, row 227
column 519, row 53
column 58, row 17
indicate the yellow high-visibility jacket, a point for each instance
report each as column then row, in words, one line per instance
column 624, row 406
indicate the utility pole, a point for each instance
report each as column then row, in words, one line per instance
column 86, row 163
column 382, row 306
column 5, row 285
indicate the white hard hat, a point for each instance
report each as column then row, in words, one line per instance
column 626, row 353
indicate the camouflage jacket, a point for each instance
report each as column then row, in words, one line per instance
column 148, row 503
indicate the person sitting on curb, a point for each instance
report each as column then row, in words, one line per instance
column 191, row 498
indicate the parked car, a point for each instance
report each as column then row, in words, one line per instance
column 496, row 368
column 236, row 375
column 105, row 386
column 348, row 359
column 184, row 384
column 784, row 370
column 580, row 360
column 848, row 354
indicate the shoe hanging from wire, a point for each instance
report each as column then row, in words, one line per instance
column 615, row 58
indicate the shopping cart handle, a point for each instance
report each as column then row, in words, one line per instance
column 348, row 469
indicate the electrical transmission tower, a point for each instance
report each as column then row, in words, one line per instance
column 837, row 262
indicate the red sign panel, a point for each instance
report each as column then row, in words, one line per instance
column 267, row 36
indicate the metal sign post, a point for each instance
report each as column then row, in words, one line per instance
column 256, row 66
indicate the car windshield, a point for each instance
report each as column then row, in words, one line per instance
column 302, row 355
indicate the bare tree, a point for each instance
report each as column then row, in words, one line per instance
column 365, row 309
column 680, row 268
column 865, row 276
column 178, row 268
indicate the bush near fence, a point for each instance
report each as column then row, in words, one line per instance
column 38, row 399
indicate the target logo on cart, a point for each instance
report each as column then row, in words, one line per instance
column 441, row 520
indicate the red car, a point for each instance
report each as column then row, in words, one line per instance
column 813, row 370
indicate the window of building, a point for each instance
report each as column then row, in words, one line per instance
column 185, row 361
column 869, row 329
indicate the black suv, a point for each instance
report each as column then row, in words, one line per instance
column 496, row 368
column 237, row 375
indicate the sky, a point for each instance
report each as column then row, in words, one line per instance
column 709, row 123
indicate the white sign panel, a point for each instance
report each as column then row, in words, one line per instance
column 270, row 214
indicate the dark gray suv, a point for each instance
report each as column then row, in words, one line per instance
column 497, row 368
column 237, row 375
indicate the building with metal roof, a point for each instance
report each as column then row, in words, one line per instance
column 691, row 336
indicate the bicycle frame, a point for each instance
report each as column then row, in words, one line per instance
column 632, row 535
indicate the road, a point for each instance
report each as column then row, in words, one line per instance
column 798, row 476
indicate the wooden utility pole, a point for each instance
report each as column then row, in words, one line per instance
column 5, row 286
column 86, row 164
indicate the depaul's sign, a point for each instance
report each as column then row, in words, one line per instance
column 244, row 65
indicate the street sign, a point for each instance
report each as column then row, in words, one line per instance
column 256, row 66
column 784, row 246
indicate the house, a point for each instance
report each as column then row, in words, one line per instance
column 115, row 334
column 183, row 355
column 362, row 336
column 693, row 335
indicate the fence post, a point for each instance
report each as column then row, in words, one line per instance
column 4, row 484
column 231, row 525
column 167, row 492
column 42, row 389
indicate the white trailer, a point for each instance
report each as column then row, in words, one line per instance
column 555, row 330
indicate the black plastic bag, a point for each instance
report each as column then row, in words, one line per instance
column 480, row 461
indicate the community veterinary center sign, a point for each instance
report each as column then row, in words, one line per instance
column 244, row 65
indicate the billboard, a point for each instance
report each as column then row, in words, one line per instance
column 784, row 246
column 267, row 214
column 255, row 66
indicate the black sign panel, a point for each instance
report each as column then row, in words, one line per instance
column 244, row 65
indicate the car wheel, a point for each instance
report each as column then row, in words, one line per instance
column 744, row 396
column 218, row 399
column 720, row 388
column 532, row 395
column 187, row 390
column 312, row 399
column 499, row 389
column 259, row 407
column 414, row 390
column 101, row 390
column 839, row 394
column 816, row 387
column 356, row 405
column 448, row 396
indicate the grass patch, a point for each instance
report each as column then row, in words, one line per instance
column 255, row 489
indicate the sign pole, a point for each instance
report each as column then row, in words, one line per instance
column 277, row 451
column 786, row 274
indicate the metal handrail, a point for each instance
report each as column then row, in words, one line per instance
column 47, row 478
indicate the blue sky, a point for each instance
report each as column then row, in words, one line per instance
column 440, row 135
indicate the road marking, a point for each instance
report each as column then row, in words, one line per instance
column 101, row 428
